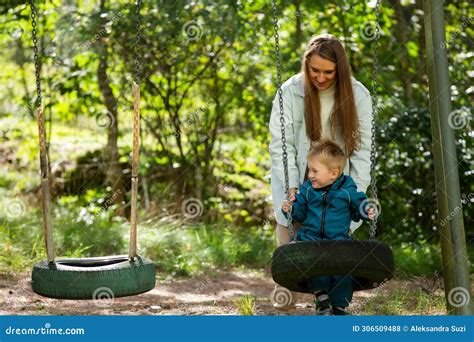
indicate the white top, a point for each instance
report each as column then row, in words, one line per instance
column 326, row 99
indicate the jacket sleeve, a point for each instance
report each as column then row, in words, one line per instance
column 276, row 152
column 359, row 168
column 300, row 206
column 356, row 200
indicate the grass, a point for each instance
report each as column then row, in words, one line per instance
column 405, row 302
column 191, row 249
column 246, row 305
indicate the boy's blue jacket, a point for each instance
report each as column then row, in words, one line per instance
column 326, row 213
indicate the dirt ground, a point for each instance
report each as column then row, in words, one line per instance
column 202, row 295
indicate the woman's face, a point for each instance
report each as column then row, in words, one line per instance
column 322, row 72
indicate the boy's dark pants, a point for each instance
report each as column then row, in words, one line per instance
column 339, row 288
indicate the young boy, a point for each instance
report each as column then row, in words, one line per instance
column 325, row 205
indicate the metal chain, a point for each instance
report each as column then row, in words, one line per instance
column 373, row 174
column 136, row 134
column 39, row 99
column 36, row 57
column 282, row 117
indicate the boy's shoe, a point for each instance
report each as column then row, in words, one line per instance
column 323, row 303
column 339, row 311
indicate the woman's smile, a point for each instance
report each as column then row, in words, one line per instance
column 320, row 85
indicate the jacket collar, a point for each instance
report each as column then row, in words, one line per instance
column 299, row 89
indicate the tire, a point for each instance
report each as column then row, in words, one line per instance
column 93, row 278
column 370, row 263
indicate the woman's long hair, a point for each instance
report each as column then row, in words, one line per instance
column 343, row 118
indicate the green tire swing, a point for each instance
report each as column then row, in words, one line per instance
column 369, row 262
column 98, row 277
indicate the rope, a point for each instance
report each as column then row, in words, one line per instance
column 136, row 138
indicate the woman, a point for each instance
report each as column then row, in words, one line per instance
column 323, row 101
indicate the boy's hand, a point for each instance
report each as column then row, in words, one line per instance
column 371, row 213
column 287, row 205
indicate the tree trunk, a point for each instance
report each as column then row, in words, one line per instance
column 422, row 74
column 111, row 155
column 298, row 31
column 400, row 30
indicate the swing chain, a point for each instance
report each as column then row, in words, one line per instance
column 373, row 180
column 282, row 117
column 36, row 57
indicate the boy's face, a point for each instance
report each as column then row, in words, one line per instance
column 319, row 174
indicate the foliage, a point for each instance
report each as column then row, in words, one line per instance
column 246, row 305
column 191, row 249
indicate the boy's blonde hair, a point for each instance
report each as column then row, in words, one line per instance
column 330, row 154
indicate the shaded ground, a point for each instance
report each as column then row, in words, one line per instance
column 202, row 295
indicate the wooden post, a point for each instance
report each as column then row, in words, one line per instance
column 453, row 239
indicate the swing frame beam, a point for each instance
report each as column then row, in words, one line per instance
column 452, row 234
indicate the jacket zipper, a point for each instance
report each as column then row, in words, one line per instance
column 323, row 215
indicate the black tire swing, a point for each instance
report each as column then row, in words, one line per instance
column 100, row 277
column 369, row 262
